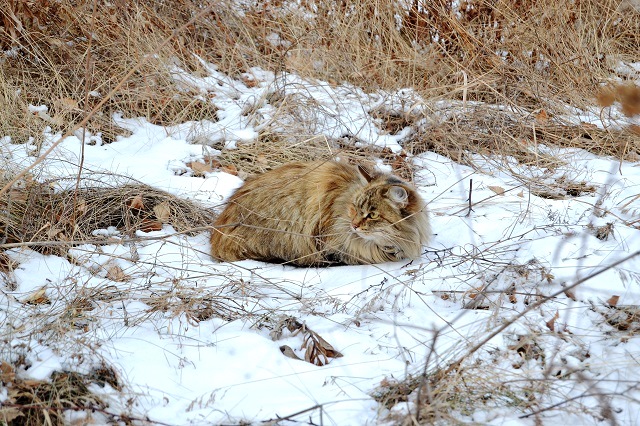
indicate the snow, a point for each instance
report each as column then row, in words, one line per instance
column 385, row 319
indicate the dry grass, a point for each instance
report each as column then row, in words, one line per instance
column 45, row 402
column 33, row 214
column 527, row 56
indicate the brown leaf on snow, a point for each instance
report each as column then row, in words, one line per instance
column 289, row 353
column 571, row 295
column 37, row 297
column 199, row 169
column 497, row 189
column 551, row 323
column 115, row 273
column 613, row 300
column 317, row 350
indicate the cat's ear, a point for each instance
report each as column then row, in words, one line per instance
column 365, row 173
column 398, row 195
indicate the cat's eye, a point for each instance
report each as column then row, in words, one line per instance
column 374, row 215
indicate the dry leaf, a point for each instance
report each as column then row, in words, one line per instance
column 7, row 372
column 613, row 300
column 66, row 105
column 136, row 203
column 249, row 80
column 212, row 162
column 542, row 116
column 162, row 212
column 148, row 225
column 497, row 189
column 199, row 169
column 53, row 232
column 37, row 297
column 8, row 414
column 115, row 273
column 231, row 169
column 551, row 323
column 289, row 353
column 571, row 295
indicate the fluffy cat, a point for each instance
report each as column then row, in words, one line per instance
column 320, row 213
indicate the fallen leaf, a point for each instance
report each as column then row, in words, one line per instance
column 162, row 212
column 571, row 295
column 148, row 225
column 7, row 372
column 542, row 116
column 231, row 169
column 497, row 189
column 613, row 300
column 289, row 353
column 212, row 162
column 551, row 323
column 66, row 104
column 37, row 297
column 249, row 80
column 115, row 273
column 199, row 169
column 8, row 414
column 136, row 203
column 53, row 232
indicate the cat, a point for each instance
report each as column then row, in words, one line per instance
column 322, row 213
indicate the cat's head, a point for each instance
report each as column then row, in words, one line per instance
column 385, row 208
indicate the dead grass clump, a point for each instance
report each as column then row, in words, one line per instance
column 270, row 151
column 68, row 56
column 38, row 402
column 445, row 395
column 495, row 133
column 36, row 215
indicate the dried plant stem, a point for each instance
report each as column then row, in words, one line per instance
column 104, row 100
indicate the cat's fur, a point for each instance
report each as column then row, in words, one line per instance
column 320, row 213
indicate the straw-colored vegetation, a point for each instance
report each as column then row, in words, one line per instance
column 87, row 60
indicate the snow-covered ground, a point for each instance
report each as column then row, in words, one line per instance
column 190, row 338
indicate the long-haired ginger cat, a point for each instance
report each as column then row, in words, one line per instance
column 320, row 213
